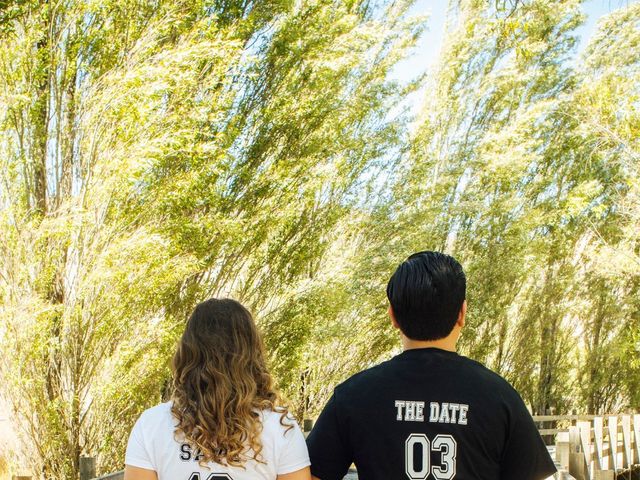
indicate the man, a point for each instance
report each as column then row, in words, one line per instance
column 428, row 413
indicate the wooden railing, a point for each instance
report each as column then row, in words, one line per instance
column 87, row 467
column 561, row 422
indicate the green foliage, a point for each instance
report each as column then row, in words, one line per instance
column 154, row 154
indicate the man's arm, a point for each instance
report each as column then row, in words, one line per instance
column 329, row 445
column 525, row 456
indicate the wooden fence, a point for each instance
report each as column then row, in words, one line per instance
column 87, row 471
column 587, row 447
column 594, row 447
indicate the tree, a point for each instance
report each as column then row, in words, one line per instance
column 192, row 150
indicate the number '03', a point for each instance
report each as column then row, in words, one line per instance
column 445, row 444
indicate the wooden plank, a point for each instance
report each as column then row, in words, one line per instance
column 577, row 466
column 548, row 418
column 604, row 475
column 598, row 430
column 613, row 442
column 626, row 441
column 601, row 472
column 584, row 429
column 636, row 435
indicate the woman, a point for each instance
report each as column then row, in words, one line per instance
column 224, row 421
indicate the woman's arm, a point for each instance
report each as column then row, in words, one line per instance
column 136, row 473
column 302, row 474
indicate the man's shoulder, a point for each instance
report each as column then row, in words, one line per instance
column 484, row 372
column 471, row 370
column 366, row 377
column 494, row 382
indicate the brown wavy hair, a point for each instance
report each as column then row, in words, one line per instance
column 220, row 383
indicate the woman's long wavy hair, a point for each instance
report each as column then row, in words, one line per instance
column 220, row 383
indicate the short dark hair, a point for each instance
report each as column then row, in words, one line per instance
column 426, row 293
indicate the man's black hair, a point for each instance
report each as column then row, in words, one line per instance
column 426, row 293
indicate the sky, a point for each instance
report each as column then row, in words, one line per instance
column 426, row 51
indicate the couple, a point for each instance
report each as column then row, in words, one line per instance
column 427, row 413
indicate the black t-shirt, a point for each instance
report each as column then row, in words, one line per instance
column 428, row 414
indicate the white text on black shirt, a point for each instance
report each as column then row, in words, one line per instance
column 413, row 411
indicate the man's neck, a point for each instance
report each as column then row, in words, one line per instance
column 448, row 343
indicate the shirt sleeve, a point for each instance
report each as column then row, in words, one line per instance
column 525, row 456
column 329, row 445
column 294, row 455
column 137, row 454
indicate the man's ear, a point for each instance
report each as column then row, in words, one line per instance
column 394, row 322
column 462, row 315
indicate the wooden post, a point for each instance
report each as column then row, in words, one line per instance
column 600, row 472
column 613, row 442
column 636, row 435
column 548, row 424
column 563, row 449
column 626, row 441
column 307, row 425
column 87, row 468
column 576, row 456
column 585, row 444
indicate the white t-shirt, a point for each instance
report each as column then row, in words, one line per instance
column 152, row 445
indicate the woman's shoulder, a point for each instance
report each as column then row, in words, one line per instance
column 278, row 421
column 285, row 441
column 156, row 413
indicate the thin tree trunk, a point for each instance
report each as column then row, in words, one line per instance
column 40, row 121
